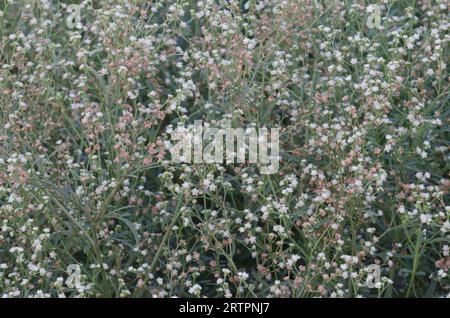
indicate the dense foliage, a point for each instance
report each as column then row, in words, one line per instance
column 91, row 204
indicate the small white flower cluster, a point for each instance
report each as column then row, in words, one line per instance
column 92, row 204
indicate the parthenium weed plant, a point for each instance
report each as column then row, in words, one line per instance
column 91, row 204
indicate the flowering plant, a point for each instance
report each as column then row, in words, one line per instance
column 92, row 205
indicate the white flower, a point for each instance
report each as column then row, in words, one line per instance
column 195, row 290
column 242, row 276
column 278, row 229
column 325, row 194
column 425, row 218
